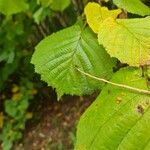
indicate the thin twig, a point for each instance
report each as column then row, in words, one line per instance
column 41, row 31
column 61, row 19
column 116, row 84
column 75, row 3
column 45, row 28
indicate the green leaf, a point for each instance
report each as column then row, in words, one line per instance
column 59, row 5
column 127, row 39
column 58, row 55
column 133, row 6
column 45, row 3
column 41, row 14
column 10, row 108
column 7, row 70
column 119, row 119
column 9, row 7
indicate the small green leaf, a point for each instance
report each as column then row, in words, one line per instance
column 10, row 108
column 56, row 5
column 58, row 55
column 41, row 14
column 127, row 39
column 133, row 6
column 45, row 3
column 119, row 119
column 9, row 7
column 59, row 5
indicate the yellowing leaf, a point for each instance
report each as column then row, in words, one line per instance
column 15, row 89
column 127, row 39
column 17, row 96
column 95, row 15
column 29, row 115
column 1, row 119
column 34, row 91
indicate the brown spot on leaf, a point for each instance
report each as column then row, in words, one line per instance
column 147, row 102
column 123, row 14
column 118, row 100
column 140, row 109
column 148, row 82
column 145, row 63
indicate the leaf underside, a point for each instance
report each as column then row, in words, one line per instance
column 58, row 55
column 127, row 39
column 133, row 6
column 119, row 119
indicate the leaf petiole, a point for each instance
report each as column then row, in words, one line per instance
column 142, row 91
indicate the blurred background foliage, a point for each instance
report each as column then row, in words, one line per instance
column 23, row 23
